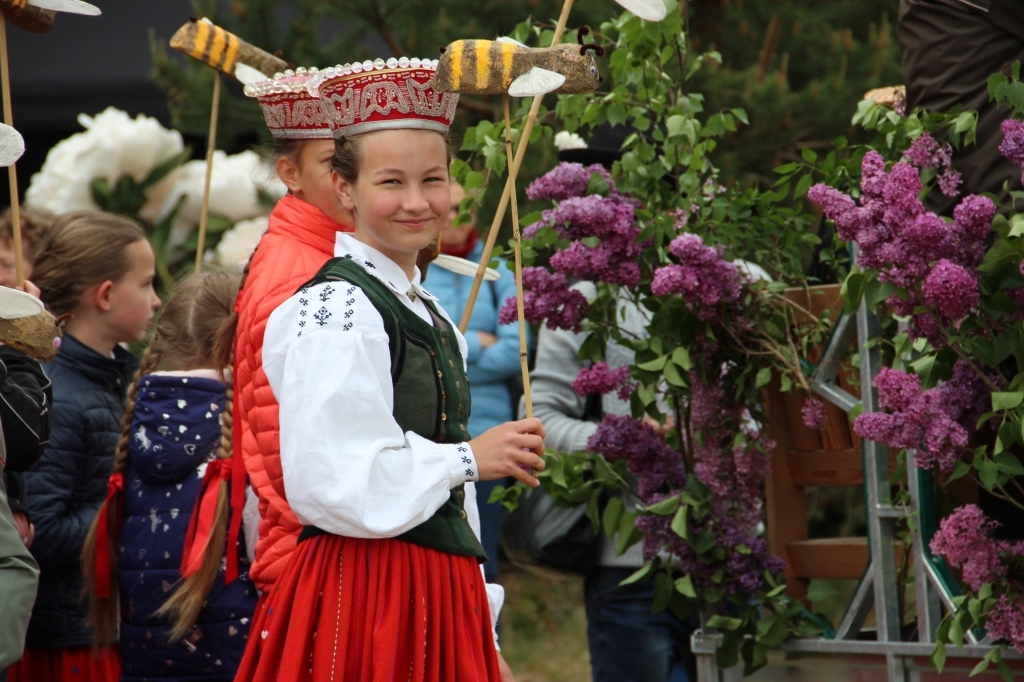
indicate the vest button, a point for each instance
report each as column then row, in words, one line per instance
column 439, row 375
column 452, row 363
column 462, row 426
column 463, row 515
column 444, row 416
column 458, row 384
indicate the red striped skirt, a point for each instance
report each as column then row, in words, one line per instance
column 67, row 665
column 357, row 610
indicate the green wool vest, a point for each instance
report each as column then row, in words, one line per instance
column 431, row 395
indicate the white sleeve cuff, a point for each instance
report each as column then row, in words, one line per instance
column 461, row 463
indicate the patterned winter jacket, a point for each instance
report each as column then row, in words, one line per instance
column 299, row 240
column 175, row 432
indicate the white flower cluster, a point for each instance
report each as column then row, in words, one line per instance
column 237, row 244
column 565, row 140
column 112, row 145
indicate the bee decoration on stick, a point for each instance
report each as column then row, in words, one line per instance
column 507, row 67
column 226, row 53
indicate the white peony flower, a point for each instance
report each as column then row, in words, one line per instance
column 237, row 244
column 234, row 191
column 566, row 140
column 112, row 145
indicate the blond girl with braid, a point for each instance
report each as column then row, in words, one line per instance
column 155, row 557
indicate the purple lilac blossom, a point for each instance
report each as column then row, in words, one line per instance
column 547, row 296
column 926, row 152
column 814, row 414
column 562, row 182
column 599, row 378
column 1012, row 146
column 703, row 278
column 654, row 463
column 951, row 289
column 965, row 540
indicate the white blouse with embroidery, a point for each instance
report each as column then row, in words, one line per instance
column 348, row 467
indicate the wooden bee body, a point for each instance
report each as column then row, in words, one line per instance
column 27, row 17
column 489, row 67
column 223, row 50
column 37, row 336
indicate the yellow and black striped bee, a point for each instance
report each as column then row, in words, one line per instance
column 203, row 40
column 506, row 66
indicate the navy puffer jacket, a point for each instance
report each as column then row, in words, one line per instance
column 175, row 432
column 66, row 487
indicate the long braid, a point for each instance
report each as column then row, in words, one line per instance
column 185, row 605
column 103, row 612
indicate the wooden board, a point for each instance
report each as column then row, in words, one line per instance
column 832, row 558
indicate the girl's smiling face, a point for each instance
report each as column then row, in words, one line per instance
column 400, row 198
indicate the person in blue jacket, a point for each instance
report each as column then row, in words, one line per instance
column 493, row 352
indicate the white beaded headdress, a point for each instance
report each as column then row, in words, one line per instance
column 291, row 112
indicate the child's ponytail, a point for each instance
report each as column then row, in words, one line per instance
column 99, row 553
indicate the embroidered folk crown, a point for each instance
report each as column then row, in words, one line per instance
column 290, row 110
column 382, row 95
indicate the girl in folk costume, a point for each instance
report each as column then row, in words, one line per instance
column 385, row 583
column 299, row 240
column 166, row 514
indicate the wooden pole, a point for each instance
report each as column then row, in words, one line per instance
column 12, row 174
column 518, row 237
column 210, row 147
column 513, row 171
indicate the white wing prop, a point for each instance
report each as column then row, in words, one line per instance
column 69, row 6
column 246, row 75
column 649, row 10
column 506, row 39
column 15, row 304
column 536, row 81
column 461, row 266
column 12, row 145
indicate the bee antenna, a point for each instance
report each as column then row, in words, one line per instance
column 584, row 30
column 598, row 50
column 442, row 49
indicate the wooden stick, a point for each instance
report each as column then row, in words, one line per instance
column 12, row 174
column 513, row 171
column 518, row 237
column 210, row 147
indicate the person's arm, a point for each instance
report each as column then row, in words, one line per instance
column 555, row 403
column 19, row 577
column 348, row 467
column 51, row 483
column 25, row 397
column 495, row 592
column 500, row 360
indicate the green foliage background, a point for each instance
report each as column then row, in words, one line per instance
column 797, row 67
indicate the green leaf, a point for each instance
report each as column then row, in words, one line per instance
column 764, row 376
column 673, row 376
column 981, row 667
column 681, row 357
column 939, row 656
column 684, row 586
column 1006, row 400
column 612, row 514
column 164, row 169
column 655, row 365
column 724, row 623
column 1009, row 464
column 809, row 155
column 680, row 524
column 961, row 470
column 665, row 507
column 639, row 575
column 802, row 185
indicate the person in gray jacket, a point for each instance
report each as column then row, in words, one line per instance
column 19, row 577
column 627, row 642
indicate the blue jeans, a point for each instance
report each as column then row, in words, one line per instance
column 490, row 519
column 627, row 642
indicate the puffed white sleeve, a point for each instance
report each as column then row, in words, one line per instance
column 495, row 592
column 348, row 467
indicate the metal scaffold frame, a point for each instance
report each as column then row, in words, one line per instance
column 935, row 587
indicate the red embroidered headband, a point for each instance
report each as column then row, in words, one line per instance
column 291, row 112
column 383, row 95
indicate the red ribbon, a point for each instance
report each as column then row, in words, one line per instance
column 115, row 487
column 200, row 526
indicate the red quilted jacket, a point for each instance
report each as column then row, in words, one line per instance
column 299, row 241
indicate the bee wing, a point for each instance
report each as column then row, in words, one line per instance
column 461, row 266
column 70, row 6
column 649, row 10
column 506, row 39
column 12, row 145
column 15, row 304
column 247, row 75
column 536, row 81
